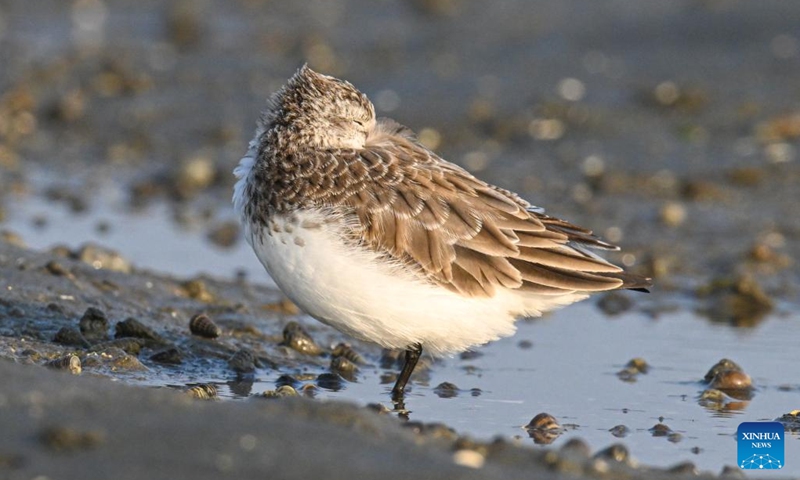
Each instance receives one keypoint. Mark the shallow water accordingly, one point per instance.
(567, 370)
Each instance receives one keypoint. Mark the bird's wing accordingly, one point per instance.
(457, 230)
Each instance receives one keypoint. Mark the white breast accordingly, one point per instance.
(358, 293)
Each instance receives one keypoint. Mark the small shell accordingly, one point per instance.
(94, 325)
(282, 391)
(731, 380)
(298, 339)
(204, 391)
(346, 351)
(131, 327)
(243, 361)
(543, 421)
(309, 390)
(68, 362)
(344, 367)
(202, 326)
(543, 429)
(71, 336)
(722, 365)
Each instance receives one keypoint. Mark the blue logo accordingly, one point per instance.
(760, 446)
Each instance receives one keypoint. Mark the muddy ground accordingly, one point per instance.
(670, 128)
(77, 420)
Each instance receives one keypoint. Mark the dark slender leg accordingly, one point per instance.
(412, 356)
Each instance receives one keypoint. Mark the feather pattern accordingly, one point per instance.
(371, 232)
(455, 230)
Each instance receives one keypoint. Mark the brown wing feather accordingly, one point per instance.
(458, 231)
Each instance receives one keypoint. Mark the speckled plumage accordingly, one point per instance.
(323, 171)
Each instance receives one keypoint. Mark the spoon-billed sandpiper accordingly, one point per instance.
(372, 233)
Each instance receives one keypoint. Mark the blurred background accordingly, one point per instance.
(670, 128)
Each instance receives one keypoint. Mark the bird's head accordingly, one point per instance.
(321, 111)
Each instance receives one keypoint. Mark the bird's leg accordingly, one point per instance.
(412, 356)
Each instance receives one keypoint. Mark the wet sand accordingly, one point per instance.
(671, 129)
(60, 425)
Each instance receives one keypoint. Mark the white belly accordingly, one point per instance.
(360, 295)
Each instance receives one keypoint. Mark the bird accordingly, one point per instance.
(372, 233)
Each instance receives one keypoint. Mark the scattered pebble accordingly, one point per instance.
(102, 258)
(113, 359)
(790, 421)
(576, 447)
(729, 471)
(684, 468)
(225, 234)
(195, 174)
(344, 367)
(287, 380)
(616, 453)
(168, 356)
(674, 437)
(330, 381)
(284, 306)
(198, 290)
(185, 24)
(731, 380)
(378, 408)
(620, 431)
(660, 430)
(633, 369)
(722, 365)
(295, 337)
(614, 303)
(470, 355)
(446, 390)
(57, 269)
(131, 327)
(12, 238)
(129, 345)
(94, 325)
(740, 301)
(469, 458)
(243, 361)
(71, 336)
(673, 214)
